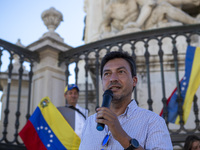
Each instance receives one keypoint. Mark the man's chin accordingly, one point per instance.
(73, 103)
(116, 98)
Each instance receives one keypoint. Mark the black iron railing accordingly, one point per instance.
(23, 55)
(170, 44)
(155, 51)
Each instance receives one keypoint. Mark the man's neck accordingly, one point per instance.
(74, 105)
(119, 108)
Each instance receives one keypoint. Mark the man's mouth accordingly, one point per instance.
(114, 87)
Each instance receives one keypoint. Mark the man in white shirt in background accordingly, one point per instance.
(72, 112)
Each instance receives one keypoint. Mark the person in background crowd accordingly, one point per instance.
(127, 126)
(192, 142)
(72, 112)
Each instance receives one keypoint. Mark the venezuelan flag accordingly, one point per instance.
(47, 129)
(188, 86)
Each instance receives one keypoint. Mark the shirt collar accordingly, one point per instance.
(132, 106)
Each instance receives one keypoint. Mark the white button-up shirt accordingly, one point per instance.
(80, 120)
(146, 126)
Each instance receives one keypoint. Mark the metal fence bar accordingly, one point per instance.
(17, 122)
(6, 112)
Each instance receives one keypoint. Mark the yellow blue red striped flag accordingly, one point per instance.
(188, 86)
(47, 129)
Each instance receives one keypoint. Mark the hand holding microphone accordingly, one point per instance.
(107, 97)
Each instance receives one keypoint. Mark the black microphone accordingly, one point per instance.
(107, 97)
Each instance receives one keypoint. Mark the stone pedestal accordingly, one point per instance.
(48, 78)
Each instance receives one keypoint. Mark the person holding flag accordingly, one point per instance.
(72, 112)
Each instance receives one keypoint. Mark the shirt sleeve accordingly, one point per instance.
(158, 137)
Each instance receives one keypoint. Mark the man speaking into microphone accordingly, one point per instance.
(121, 124)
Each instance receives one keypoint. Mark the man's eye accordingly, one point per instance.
(106, 74)
(121, 71)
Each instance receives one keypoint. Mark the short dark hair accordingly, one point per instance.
(123, 55)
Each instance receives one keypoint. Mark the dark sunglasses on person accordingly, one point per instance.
(105, 142)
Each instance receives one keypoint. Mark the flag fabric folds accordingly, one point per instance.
(188, 87)
(47, 129)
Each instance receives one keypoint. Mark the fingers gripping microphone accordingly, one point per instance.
(107, 97)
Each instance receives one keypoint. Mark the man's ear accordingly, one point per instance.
(135, 81)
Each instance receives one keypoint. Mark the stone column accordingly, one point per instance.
(49, 78)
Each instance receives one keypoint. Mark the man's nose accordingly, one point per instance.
(73, 94)
(113, 77)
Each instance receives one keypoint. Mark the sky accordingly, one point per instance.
(21, 19)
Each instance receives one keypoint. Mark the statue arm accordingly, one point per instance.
(144, 14)
(146, 7)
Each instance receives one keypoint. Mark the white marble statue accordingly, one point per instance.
(168, 13)
(125, 16)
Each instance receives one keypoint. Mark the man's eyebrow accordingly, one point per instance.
(106, 70)
(122, 67)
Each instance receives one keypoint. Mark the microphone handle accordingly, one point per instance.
(100, 126)
(106, 103)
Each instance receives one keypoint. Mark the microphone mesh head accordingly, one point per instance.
(109, 92)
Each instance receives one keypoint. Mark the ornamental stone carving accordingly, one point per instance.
(52, 18)
(117, 17)
(125, 16)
